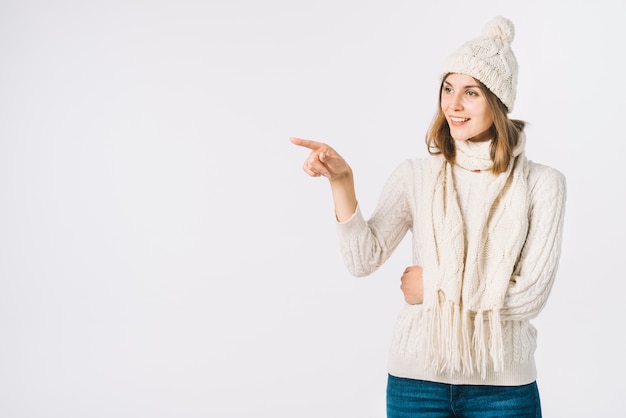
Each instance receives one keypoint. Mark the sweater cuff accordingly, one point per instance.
(354, 223)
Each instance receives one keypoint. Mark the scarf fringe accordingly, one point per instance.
(458, 344)
(480, 343)
(496, 349)
(466, 331)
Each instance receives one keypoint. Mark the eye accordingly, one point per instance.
(447, 89)
(472, 93)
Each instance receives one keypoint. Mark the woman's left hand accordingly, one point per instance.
(412, 285)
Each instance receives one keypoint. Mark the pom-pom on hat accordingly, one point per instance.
(489, 59)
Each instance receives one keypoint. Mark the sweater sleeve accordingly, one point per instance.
(366, 244)
(534, 275)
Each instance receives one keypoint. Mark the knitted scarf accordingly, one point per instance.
(465, 285)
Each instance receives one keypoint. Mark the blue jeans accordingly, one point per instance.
(409, 398)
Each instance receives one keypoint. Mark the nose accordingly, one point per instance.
(452, 102)
(455, 102)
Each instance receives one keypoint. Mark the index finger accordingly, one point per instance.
(307, 143)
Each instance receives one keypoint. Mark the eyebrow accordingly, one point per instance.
(465, 87)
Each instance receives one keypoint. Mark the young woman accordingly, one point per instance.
(486, 226)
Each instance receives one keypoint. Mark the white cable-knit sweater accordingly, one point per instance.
(367, 244)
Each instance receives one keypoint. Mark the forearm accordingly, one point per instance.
(344, 196)
(529, 290)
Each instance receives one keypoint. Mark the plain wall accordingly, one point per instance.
(162, 254)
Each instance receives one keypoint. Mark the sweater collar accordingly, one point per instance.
(477, 155)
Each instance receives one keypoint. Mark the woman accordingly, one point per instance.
(486, 226)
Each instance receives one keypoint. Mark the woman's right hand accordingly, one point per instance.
(412, 285)
(323, 160)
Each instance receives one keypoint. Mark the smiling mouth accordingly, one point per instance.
(458, 120)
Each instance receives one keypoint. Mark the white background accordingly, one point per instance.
(163, 255)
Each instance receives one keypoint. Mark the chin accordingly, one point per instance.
(458, 137)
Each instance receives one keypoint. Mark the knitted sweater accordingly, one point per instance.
(367, 244)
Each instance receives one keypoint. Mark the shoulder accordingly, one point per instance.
(411, 173)
(542, 176)
(417, 169)
(420, 166)
(546, 183)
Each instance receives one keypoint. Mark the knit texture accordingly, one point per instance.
(466, 279)
(489, 59)
(516, 286)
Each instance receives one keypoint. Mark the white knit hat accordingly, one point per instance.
(489, 59)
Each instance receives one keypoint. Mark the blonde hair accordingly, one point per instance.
(506, 132)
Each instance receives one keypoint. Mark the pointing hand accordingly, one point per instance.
(323, 160)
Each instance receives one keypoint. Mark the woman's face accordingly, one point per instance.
(466, 108)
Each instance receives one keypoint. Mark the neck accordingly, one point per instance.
(487, 135)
